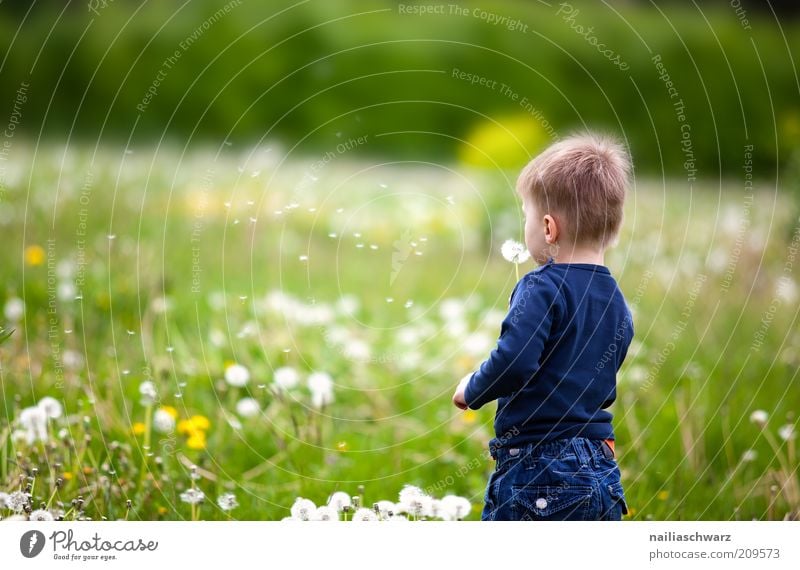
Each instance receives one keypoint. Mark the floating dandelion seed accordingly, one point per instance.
(227, 502)
(193, 496)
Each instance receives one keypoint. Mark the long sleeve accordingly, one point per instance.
(523, 334)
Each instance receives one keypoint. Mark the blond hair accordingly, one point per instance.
(583, 178)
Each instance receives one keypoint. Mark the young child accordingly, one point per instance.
(553, 372)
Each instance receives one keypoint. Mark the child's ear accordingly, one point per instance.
(550, 229)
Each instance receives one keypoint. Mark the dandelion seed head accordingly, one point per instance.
(286, 378)
(237, 375)
(193, 496)
(303, 509)
(786, 432)
(759, 417)
(227, 502)
(248, 407)
(147, 391)
(514, 252)
(41, 515)
(339, 500)
(364, 515)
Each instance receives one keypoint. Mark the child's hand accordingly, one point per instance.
(458, 396)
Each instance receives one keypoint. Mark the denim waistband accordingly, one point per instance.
(583, 448)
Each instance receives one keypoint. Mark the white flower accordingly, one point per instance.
(325, 513)
(247, 407)
(386, 507)
(286, 378)
(3, 497)
(786, 432)
(339, 500)
(303, 509)
(163, 421)
(365, 515)
(51, 407)
(14, 309)
(454, 507)
(41, 515)
(416, 502)
(514, 251)
(237, 375)
(759, 417)
(227, 502)
(16, 501)
(34, 422)
(193, 496)
(321, 386)
(356, 349)
(16, 518)
(451, 310)
(147, 390)
(749, 455)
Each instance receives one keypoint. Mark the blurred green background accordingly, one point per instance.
(305, 71)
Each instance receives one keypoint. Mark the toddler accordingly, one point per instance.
(567, 331)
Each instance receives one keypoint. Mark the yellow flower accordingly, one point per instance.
(34, 255)
(66, 476)
(341, 446)
(162, 510)
(200, 422)
(662, 495)
(469, 416)
(138, 428)
(631, 511)
(197, 440)
(171, 411)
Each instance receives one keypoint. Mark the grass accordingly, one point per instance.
(168, 268)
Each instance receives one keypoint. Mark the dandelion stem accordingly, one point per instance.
(148, 417)
(516, 269)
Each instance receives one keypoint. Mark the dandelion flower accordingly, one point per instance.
(786, 432)
(193, 496)
(247, 407)
(325, 513)
(237, 375)
(17, 500)
(163, 421)
(514, 252)
(197, 440)
(51, 407)
(416, 502)
(303, 509)
(454, 507)
(385, 508)
(40, 515)
(321, 386)
(14, 309)
(759, 417)
(364, 515)
(339, 500)
(34, 255)
(147, 391)
(34, 421)
(286, 378)
(227, 502)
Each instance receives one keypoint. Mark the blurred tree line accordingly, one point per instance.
(504, 76)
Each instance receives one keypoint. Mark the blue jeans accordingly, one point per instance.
(565, 479)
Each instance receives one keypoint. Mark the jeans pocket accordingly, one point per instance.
(617, 494)
(551, 502)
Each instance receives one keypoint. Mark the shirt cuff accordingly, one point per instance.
(467, 397)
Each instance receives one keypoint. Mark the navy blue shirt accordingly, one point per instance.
(554, 370)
